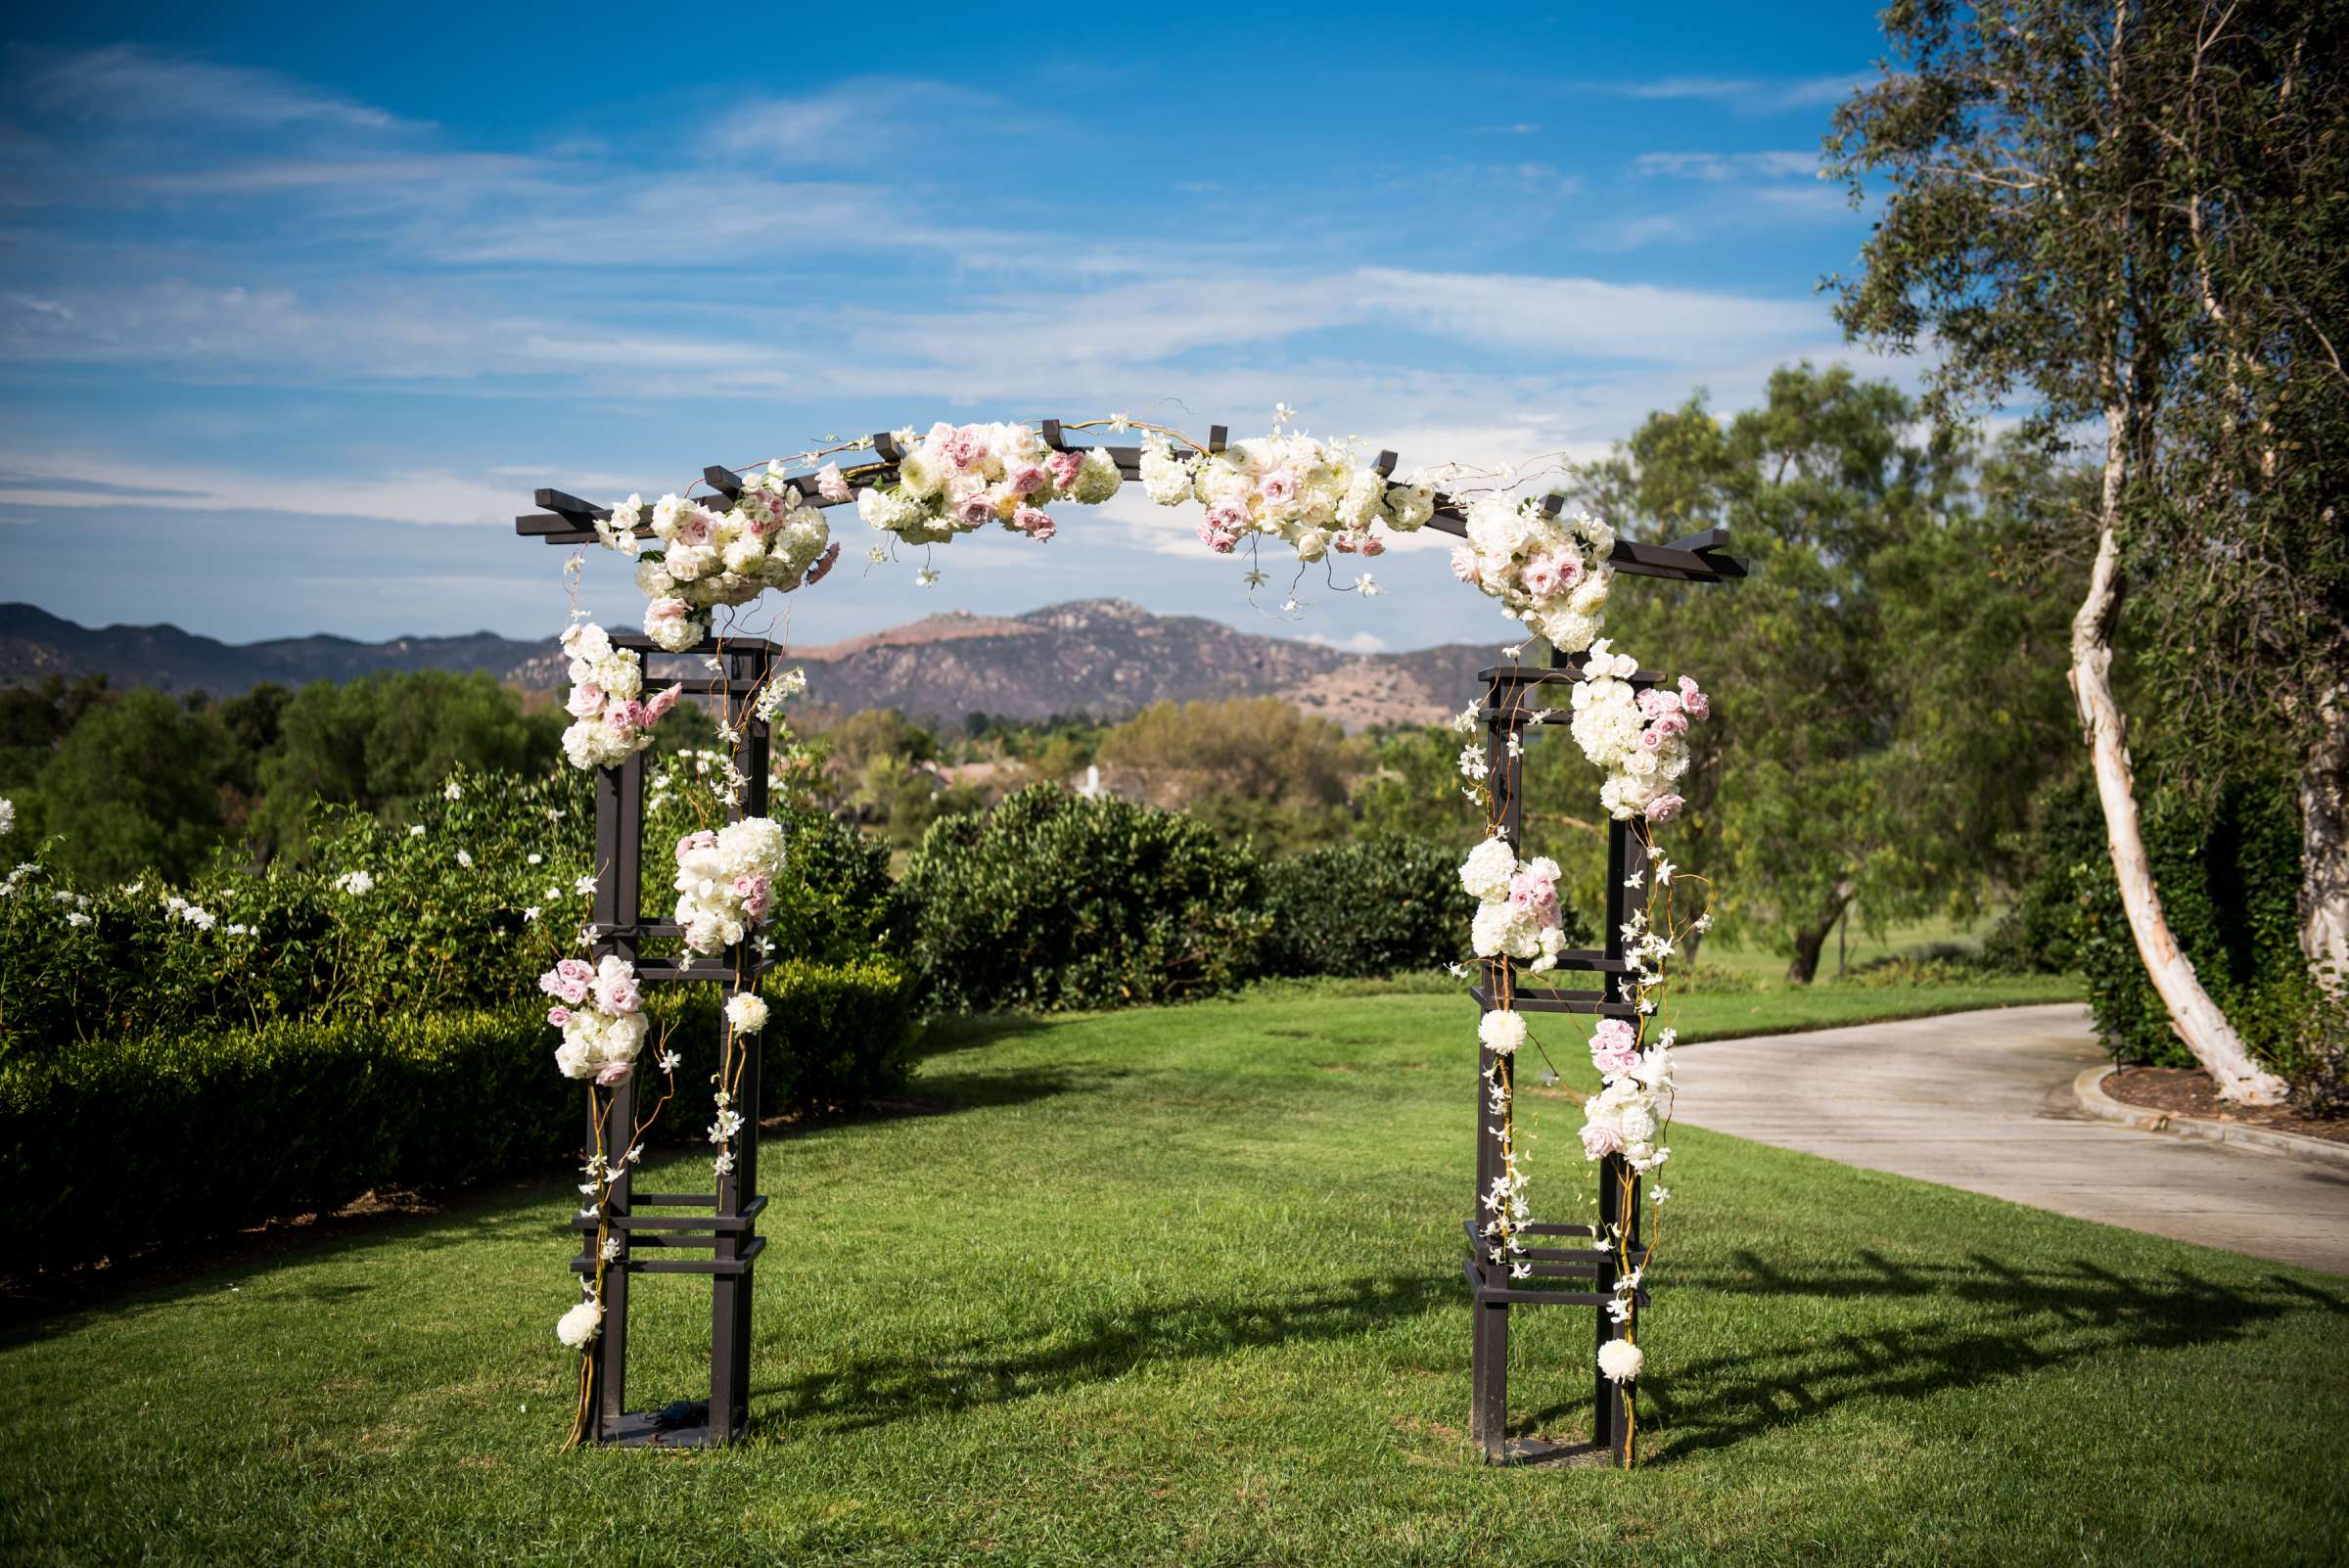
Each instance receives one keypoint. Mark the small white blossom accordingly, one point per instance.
(355, 883)
(452, 793)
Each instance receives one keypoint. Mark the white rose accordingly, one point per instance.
(747, 1013)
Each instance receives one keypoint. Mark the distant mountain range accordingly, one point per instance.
(1103, 657)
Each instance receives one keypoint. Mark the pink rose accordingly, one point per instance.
(1343, 544)
(1650, 738)
(586, 701)
(558, 1016)
(1551, 574)
(754, 891)
(1063, 467)
(1034, 522)
(1278, 487)
(568, 981)
(702, 840)
(663, 701)
(626, 716)
(671, 608)
(823, 565)
(615, 1073)
(1672, 724)
(1698, 705)
(1025, 478)
(1600, 1140)
(1613, 1064)
(966, 448)
(1664, 808)
(1614, 1033)
(973, 509)
(696, 527)
(618, 994)
(831, 484)
(1654, 704)
(1463, 562)
(1372, 544)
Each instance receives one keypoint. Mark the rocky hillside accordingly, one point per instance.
(1103, 657)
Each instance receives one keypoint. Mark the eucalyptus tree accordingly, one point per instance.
(2083, 209)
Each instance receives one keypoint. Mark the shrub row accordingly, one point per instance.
(1054, 901)
(129, 1141)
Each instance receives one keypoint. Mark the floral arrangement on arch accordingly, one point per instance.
(1547, 571)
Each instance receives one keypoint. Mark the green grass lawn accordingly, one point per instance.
(1184, 1286)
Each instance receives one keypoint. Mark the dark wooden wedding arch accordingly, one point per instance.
(725, 1223)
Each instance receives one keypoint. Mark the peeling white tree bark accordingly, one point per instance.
(2198, 1020)
(2324, 846)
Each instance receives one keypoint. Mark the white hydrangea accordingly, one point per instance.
(1486, 873)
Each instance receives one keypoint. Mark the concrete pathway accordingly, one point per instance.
(1983, 1101)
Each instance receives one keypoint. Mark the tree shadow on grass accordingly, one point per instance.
(2049, 1318)
(1047, 1357)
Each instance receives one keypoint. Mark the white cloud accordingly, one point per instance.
(1726, 166)
(861, 122)
(1759, 95)
(126, 82)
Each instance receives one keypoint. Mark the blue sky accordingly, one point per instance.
(299, 304)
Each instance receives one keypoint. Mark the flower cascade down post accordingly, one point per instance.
(1635, 730)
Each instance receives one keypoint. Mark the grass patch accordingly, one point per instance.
(1182, 1286)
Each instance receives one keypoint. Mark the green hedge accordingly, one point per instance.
(1053, 900)
(2229, 872)
(1370, 908)
(838, 1034)
(124, 1142)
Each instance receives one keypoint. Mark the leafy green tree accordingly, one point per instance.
(1873, 679)
(2130, 217)
(136, 786)
(1249, 766)
(382, 742)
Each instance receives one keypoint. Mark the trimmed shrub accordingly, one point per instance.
(1369, 908)
(1051, 901)
(838, 1034)
(126, 1142)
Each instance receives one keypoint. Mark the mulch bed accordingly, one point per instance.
(2188, 1091)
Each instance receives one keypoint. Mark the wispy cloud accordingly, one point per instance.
(126, 82)
(862, 120)
(1751, 95)
(1726, 166)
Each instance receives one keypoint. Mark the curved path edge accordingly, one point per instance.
(2089, 1089)
(1986, 1102)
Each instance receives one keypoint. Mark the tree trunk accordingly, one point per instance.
(2324, 846)
(1811, 939)
(2195, 1017)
